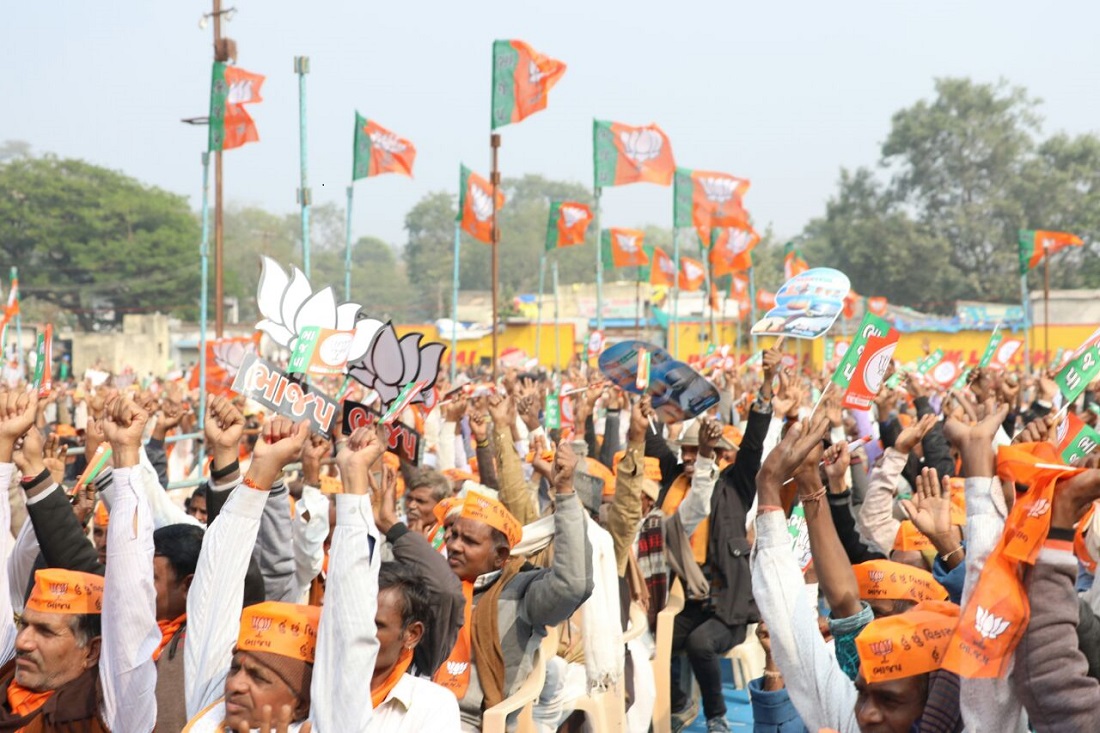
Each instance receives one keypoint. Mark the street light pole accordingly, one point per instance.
(220, 54)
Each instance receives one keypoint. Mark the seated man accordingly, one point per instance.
(81, 655)
(509, 603)
(426, 489)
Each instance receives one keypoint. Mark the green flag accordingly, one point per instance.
(551, 412)
(925, 365)
(1081, 445)
(1081, 370)
(991, 348)
(360, 162)
(871, 325)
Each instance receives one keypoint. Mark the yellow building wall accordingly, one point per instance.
(553, 341)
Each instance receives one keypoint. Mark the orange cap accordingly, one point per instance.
(444, 507)
(909, 538)
(888, 580)
(652, 466)
(908, 644)
(66, 591)
(286, 629)
(732, 434)
(101, 515)
(481, 508)
(65, 431)
(456, 474)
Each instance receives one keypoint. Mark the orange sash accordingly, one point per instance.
(907, 644)
(892, 581)
(377, 697)
(168, 629)
(701, 535)
(454, 674)
(1079, 548)
(23, 702)
(994, 620)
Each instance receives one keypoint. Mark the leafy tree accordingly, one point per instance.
(95, 242)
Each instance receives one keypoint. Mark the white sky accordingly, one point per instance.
(782, 93)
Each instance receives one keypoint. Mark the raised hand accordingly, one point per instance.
(640, 415)
(280, 442)
(565, 463)
(914, 385)
(171, 413)
(499, 409)
(709, 434)
(53, 457)
(909, 437)
(314, 452)
(124, 426)
(385, 503)
(223, 429)
(29, 457)
(17, 413)
(801, 440)
(930, 510)
(363, 448)
(837, 460)
(975, 442)
(786, 401)
(542, 466)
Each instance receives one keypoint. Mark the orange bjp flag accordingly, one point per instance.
(625, 154)
(625, 246)
(709, 200)
(731, 250)
(663, 271)
(522, 80)
(376, 151)
(765, 299)
(877, 305)
(569, 222)
(692, 274)
(475, 205)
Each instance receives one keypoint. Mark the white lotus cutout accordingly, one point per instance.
(988, 625)
(482, 203)
(388, 142)
(391, 363)
(719, 190)
(626, 242)
(229, 354)
(571, 215)
(641, 145)
(288, 304)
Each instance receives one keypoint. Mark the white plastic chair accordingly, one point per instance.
(494, 720)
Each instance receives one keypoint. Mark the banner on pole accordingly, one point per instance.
(807, 305)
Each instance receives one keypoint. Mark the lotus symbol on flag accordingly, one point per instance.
(571, 215)
(739, 241)
(641, 145)
(1062, 431)
(388, 142)
(391, 363)
(988, 625)
(719, 190)
(482, 203)
(667, 266)
(535, 74)
(288, 304)
(877, 366)
(692, 270)
(240, 92)
(456, 668)
(876, 576)
(1041, 507)
(626, 242)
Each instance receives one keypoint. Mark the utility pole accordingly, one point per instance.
(301, 68)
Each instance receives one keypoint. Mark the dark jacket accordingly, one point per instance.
(728, 547)
(448, 604)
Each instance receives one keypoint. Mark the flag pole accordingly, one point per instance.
(220, 54)
(538, 317)
(204, 258)
(752, 304)
(710, 305)
(557, 324)
(676, 294)
(494, 144)
(1027, 321)
(301, 68)
(1046, 304)
(599, 263)
(638, 304)
(454, 302)
(347, 246)
(18, 327)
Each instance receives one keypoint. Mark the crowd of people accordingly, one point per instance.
(852, 546)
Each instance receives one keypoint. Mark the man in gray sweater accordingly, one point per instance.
(509, 603)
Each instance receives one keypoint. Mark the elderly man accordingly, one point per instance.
(509, 603)
(80, 656)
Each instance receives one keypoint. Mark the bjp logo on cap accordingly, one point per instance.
(882, 648)
(876, 576)
(61, 589)
(260, 624)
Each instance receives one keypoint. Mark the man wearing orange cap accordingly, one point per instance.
(234, 669)
(83, 646)
(509, 604)
(899, 656)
